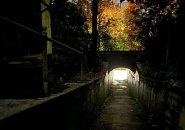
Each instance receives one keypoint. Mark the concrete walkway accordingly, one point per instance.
(120, 112)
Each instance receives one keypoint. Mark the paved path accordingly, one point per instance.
(120, 112)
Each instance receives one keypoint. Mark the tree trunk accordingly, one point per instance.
(94, 31)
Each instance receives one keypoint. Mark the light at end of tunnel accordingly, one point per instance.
(119, 74)
(123, 86)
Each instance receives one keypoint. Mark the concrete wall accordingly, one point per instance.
(163, 105)
(72, 111)
(120, 59)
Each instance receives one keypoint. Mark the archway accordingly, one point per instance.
(119, 77)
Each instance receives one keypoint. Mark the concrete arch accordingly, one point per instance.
(127, 66)
(129, 74)
(121, 59)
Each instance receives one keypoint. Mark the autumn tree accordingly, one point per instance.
(131, 19)
(110, 25)
(119, 27)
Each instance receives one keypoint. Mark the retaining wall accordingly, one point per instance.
(72, 110)
(163, 104)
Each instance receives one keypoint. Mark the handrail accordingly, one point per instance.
(40, 34)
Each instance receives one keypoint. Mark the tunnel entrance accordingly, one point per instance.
(120, 74)
(119, 111)
(119, 77)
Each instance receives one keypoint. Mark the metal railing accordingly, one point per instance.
(44, 37)
(40, 34)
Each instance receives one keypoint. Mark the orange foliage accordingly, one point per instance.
(131, 19)
(110, 19)
(120, 24)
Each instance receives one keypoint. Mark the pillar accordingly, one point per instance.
(47, 45)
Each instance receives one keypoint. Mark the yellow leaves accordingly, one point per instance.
(120, 24)
(109, 13)
(110, 19)
(130, 20)
(129, 12)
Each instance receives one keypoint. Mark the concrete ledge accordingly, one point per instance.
(71, 109)
(9, 107)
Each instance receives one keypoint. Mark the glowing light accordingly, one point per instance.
(119, 74)
(123, 86)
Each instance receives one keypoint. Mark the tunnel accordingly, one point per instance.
(120, 111)
(119, 76)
